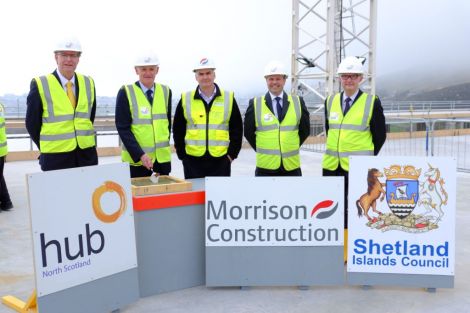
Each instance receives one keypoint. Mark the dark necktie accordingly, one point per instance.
(149, 96)
(347, 105)
(278, 107)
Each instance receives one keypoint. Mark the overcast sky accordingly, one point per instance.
(241, 35)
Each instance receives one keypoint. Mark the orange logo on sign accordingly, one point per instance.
(108, 186)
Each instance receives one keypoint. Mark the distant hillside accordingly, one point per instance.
(451, 93)
(426, 84)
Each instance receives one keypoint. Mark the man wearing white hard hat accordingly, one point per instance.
(143, 120)
(61, 111)
(207, 127)
(276, 125)
(354, 124)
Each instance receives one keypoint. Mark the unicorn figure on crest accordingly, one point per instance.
(432, 197)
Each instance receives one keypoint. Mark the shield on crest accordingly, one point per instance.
(402, 189)
(402, 196)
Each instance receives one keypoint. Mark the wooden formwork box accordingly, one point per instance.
(144, 186)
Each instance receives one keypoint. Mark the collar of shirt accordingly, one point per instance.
(64, 81)
(353, 97)
(144, 89)
(273, 98)
(203, 96)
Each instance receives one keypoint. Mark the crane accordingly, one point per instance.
(323, 33)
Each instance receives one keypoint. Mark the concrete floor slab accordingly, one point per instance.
(16, 265)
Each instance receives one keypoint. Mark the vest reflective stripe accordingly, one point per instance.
(83, 115)
(268, 151)
(276, 142)
(63, 128)
(218, 143)
(347, 154)
(207, 133)
(3, 133)
(276, 152)
(57, 137)
(290, 154)
(159, 116)
(57, 119)
(348, 135)
(162, 144)
(287, 128)
(350, 127)
(266, 128)
(85, 132)
(218, 127)
(151, 149)
(149, 123)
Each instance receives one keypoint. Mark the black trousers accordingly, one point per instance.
(195, 167)
(76, 158)
(340, 172)
(280, 172)
(4, 195)
(142, 171)
(139, 171)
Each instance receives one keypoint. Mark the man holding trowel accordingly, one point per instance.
(143, 121)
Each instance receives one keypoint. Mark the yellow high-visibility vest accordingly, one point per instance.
(63, 128)
(348, 135)
(3, 133)
(277, 141)
(207, 133)
(149, 123)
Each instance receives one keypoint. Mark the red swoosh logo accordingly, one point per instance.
(321, 205)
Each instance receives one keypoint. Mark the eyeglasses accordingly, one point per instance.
(349, 76)
(69, 55)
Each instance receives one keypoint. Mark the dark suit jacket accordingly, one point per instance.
(123, 121)
(250, 125)
(54, 161)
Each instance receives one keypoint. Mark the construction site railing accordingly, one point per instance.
(412, 137)
(451, 137)
(405, 137)
(392, 106)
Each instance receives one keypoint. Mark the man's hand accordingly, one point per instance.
(146, 161)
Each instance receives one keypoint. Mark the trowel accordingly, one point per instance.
(154, 177)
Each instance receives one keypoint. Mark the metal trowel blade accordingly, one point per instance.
(154, 178)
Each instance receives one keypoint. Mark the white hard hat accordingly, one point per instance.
(68, 44)
(204, 63)
(147, 59)
(350, 65)
(275, 68)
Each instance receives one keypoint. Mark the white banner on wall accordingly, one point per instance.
(402, 215)
(82, 225)
(274, 211)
